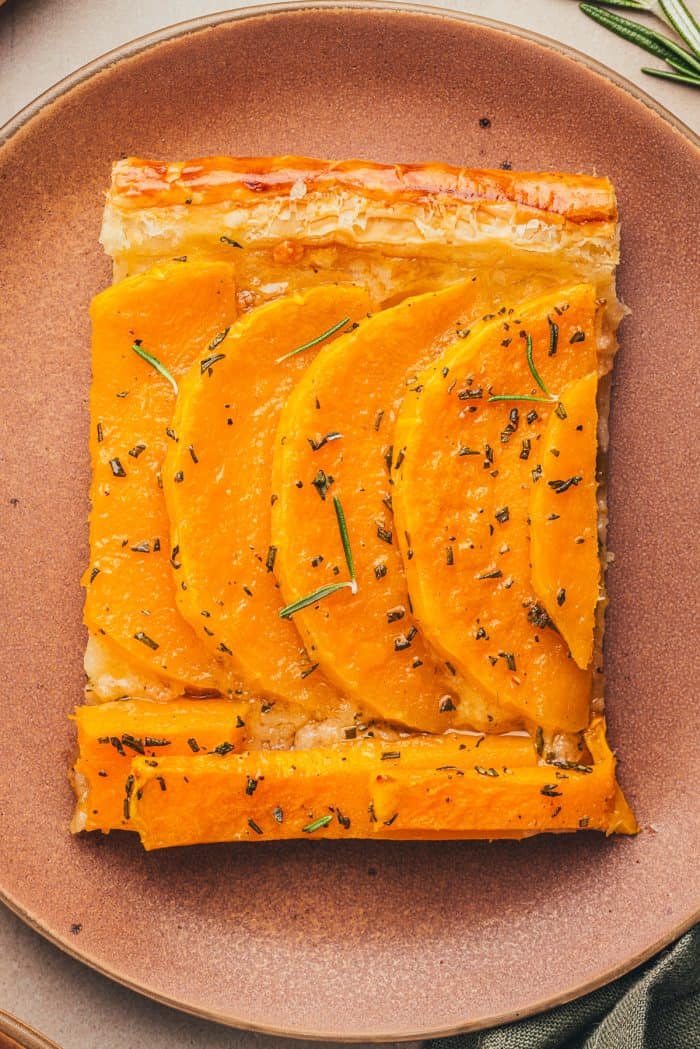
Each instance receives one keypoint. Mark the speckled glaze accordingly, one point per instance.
(354, 940)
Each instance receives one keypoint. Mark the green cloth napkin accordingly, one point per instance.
(656, 1006)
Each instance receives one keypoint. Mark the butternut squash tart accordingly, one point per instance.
(348, 520)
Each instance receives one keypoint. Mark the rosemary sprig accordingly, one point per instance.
(155, 363)
(535, 375)
(330, 588)
(675, 14)
(317, 595)
(344, 538)
(314, 342)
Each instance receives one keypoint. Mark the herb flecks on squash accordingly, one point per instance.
(465, 466)
(276, 794)
(217, 485)
(564, 516)
(111, 735)
(419, 788)
(175, 311)
(334, 438)
(502, 799)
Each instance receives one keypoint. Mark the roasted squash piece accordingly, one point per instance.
(334, 439)
(373, 789)
(564, 519)
(465, 464)
(502, 799)
(217, 485)
(274, 794)
(173, 311)
(111, 734)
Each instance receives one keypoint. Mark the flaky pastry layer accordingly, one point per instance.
(432, 211)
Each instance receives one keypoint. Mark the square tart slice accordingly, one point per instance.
(394, 383)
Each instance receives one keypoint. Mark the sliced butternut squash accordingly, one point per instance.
(217, 485)
(465, 464)
(564, 519)
(276, 794)
(173, 311)
(447, 787)
(334, 439)
(111, 734)
(564, 796)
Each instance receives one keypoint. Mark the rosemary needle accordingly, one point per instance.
(519, 397)
(155, 363)
(323, 591)
(314, 342)
(322, 821)
(677, 16)
(343, 528)
(533, 369)
(330, 588)
(667, 74)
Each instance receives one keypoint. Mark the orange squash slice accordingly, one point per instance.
(503, 800)
(451, 786)
(334, 439)
(564, 519)
(217, 486)
(110, 735)
(465, 465)
(173, 311)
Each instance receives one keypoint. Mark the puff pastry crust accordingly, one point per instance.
(419, 211)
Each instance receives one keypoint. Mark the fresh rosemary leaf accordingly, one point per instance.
(518, 397)
(531, 365)
(679, 78)
(648, 39)
(680, 18)
(322, 821)
(345, 539)
(155, 363)
(314, 342)
(317, 595)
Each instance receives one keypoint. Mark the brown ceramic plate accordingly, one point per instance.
(16, 1035)
(353, 940)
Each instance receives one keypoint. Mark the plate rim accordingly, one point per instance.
(202, 22)
(187, 27)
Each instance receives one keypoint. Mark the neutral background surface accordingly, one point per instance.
(42, 41)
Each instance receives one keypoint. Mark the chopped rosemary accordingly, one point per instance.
(322, 821)
(322, 483)
(563, 486)
(208, 362)
(553, 336)
(314, 342)
(155, 363)
(117, 468)
(344, 538)
(146, 640)
(315, 445)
